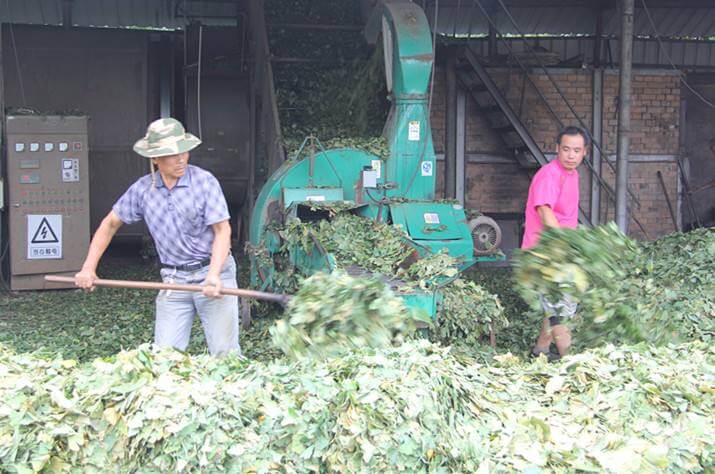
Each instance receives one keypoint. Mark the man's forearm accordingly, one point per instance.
(546, 214)
(99, 243)
(220, 247)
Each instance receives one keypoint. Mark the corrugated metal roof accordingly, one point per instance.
(461, 17)
(41, 12)
(159, 14)
(646, 52)
(680, 22)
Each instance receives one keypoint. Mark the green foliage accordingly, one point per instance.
(334, 85)
(467, 312)
(659, 292)
(84, 326)
(353, 240)
(412, 408)
(317, 11)
(334, 313)
(524, 324)
(374, 145)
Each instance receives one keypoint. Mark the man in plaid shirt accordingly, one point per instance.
(187, 215)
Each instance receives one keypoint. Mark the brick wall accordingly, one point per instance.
(503, 187)
(655, 113)
(576, 87)
(653, 212)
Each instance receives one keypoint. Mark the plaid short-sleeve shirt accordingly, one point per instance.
(179, 219)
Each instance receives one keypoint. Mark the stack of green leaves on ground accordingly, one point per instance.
(83, 326)
(524, 324)
(412, 408)
(334, 313)
(658, 292)
(467, 313)
(677, 274)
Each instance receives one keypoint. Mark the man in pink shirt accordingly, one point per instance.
(553, 202)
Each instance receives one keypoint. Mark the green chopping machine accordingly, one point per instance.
(399, 190)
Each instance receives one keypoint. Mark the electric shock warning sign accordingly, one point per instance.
(44, 237)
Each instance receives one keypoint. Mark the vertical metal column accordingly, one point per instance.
(624, 114)
(461, 145)
(166, 70)
(598, 37)
(2, 156)
(682, 154)
(492, 41)
(67, 14)
(450, 126)
(597, 104)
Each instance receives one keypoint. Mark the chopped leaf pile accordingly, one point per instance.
(412, 408)
(466, 314)
(353, 240)
(658, 292)
(334, 313)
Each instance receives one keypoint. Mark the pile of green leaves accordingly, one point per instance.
(659, 292)
(353, 240)
(333, 313)
(524, 324)
(675, 278)
(466, 313)
(412, 408)
(83, 326)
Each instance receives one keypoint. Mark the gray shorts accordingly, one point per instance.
(565, 308)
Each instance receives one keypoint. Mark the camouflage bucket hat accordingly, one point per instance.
(165, 137)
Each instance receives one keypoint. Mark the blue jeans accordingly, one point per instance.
(175, 311)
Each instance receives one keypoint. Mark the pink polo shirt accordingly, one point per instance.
(558, 188)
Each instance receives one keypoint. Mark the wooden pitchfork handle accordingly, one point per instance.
(150, 285)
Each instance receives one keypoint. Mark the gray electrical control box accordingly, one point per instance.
(48, 198)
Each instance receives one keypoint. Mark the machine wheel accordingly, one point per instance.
(486, 235)
(244, 312)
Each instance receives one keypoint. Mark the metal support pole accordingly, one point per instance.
(165, 76)
(664, 188)
(682, 153)
(624, 114)
(3, 243)
(598, 39)
(461, 144)
(597, 132)
(67, 14)
(492, 41)
(450, 126)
